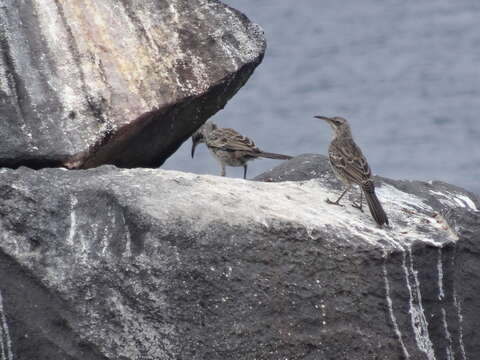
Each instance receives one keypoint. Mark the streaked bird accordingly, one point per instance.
(351, 167)
(229, 147)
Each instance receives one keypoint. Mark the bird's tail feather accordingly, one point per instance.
(274, 156)
(374, 205)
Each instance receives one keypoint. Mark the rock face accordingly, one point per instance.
(83, 83)
(151, 264)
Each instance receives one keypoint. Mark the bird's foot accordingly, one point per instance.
(356, 206)
(328, 201)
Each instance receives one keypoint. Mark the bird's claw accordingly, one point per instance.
(356, 206)
(328, 201)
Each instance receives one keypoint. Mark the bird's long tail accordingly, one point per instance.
(374, 205)
(274, 156)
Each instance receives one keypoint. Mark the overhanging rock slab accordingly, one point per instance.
(118, 82)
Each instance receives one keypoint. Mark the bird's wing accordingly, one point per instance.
(230, 140)
(348, 158)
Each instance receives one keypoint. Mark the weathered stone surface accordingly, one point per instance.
(301, 168)
(152, 264)
(441, 279)
(83, 83)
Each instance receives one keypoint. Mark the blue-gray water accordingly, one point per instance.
(405, 73)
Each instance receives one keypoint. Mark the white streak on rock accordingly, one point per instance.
(5, 341)
(107, 230)
(105, 240)
(392, 314)
(4, 83)
(417, 313)
(458, 306)
(455, 200)
(467, 201)
(448, 336)
(128, 240)
(73, 220)
(441, 293)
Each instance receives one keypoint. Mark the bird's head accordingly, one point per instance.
(201, 134)
(339, 125)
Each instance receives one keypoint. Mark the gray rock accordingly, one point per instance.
(118, 82)
(300, 168)
(152, 264)
(440, 278)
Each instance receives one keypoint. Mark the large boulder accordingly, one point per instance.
(151, 264)
(117, 82)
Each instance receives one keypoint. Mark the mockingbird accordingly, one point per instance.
(351, 167)
(229, 147)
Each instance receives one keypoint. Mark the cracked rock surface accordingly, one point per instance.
(85, 83)
(150, 264)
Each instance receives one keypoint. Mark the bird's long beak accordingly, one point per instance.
(194, 145)
(322, 118)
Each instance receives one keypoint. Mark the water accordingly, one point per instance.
(405, 73)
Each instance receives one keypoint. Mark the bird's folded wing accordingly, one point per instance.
(349, 159)
(230, 140)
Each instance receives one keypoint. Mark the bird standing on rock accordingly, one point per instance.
(351, 167)
(229, 147)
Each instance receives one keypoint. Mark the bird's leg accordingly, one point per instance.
(245, 171)
(223, 172)
(359, 207)
(337, 202)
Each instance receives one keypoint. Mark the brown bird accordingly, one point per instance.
(229, 147)
(351, 167)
